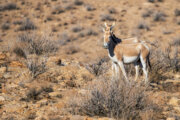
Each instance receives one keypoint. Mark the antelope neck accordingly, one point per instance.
(113, 41)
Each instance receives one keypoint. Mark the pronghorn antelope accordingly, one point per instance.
(121, 53)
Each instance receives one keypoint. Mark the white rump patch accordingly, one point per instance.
(130, 59)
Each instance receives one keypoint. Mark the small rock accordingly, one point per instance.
(170, 118)
(174, 101)
(54, 94)
(7, 76)
(2, 70)
(2, 98)
(2, 56)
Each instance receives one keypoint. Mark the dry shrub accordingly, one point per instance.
(5, 26)
(107, 17)
(8, 6)
(177, 12)
(64, 38)
(78, 2)
(147, 13)
(27, 24)
(164, 61)
(89, 7)
(88, 32)
(35, 94)
(99, 67)
(72, 50)
(57, 9)
(143, 25)
(112, 10)
(176, 41)
(114, 98)
(30, 43)
(159, 16)
(36, 66)
(77, 29)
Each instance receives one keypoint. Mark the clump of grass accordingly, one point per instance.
(147, 13)
(89, 7)
(8, 6)
(19, 52)
(57, 9)
(107, 17)
(99, 67)
(176, 41)
(72, 50)
(177, 12)
(17, 22)
(88, 32)
(143, 25)
(29, 43)
(115, 99)
(112, 10)
(77, 29)
(152, 1)
(159, 16)
(36, 66)
(35, 94)
(5, 26)
(164, 61)
(27, 25)
(64, 38)
(78, 2)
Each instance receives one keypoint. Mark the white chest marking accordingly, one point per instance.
(114, 58)
(129, 59)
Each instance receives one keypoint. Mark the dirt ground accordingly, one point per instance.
(76, 26)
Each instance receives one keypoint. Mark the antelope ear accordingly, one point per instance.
(105, 24)
(113, 25)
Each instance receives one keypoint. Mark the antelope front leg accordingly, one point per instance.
(123, 70)
(137, 71)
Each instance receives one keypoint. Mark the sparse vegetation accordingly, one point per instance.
(106, 17)
(89, 7)
(163, 61)
(88, 32)
(143, 25)
(57, 9)
(36, 66)
(177, 12)
(99, 67)
(159, 16)
(64, 38)
(18, 22)
(5, 26)
(78, 2)
(29, 43)
(176, 41)
(77, 29)
(72, 50)
(112, 10)
(152, 1)
(8, 6)
(27, 25)
(35, 94)
(114, 98)
(147, 13)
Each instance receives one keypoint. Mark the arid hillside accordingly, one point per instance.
(53, 65)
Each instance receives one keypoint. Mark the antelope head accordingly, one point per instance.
(107, 33)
